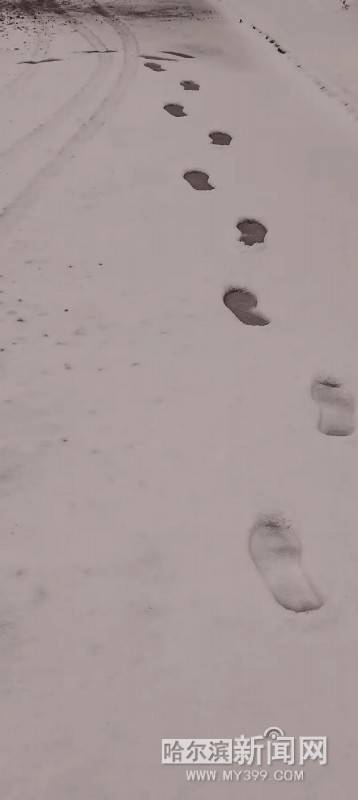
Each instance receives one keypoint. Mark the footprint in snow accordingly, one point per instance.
(173, 53)
(217, 137)
(252, 231)
(158, 58)
(90, 52)
(243, 303)
(336, 407)
(198, 180)
(276, 551)
(175, 110)
(155, 67)
(42, 61)
(190, 86)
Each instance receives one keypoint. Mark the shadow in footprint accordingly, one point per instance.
(180, 55)
(242, 303)
(198, 180)
(217, 137)
(154, 67)
(252, 231)
(336, 407)
(175, 110)
(276, 551)
(190, 86)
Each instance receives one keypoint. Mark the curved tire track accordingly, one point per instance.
(86, 128)
(97, 75)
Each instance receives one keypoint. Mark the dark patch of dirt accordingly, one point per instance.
(35, 7)
(141, 9)
(145, 9)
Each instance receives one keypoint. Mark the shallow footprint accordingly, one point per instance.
(242, 303)
(175, 110)
(217, 137)
(252, 231)
(198, 180)
(276, 551)
(154, 67)
(190, 86)
(336, 405)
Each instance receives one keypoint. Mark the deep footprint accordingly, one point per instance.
(242, 303)
(252, 231)
(190, 86)
(154, 67)
(175, 110)
(336, 407)
(198, 180)
(217, 137)
(276, 551)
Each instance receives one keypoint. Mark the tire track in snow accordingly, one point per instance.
(97, 75)
(89, 126)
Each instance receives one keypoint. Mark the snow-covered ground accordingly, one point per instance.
(144, 427)
(318, 35)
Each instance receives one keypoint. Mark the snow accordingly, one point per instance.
(145, 428)
(319, 35)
